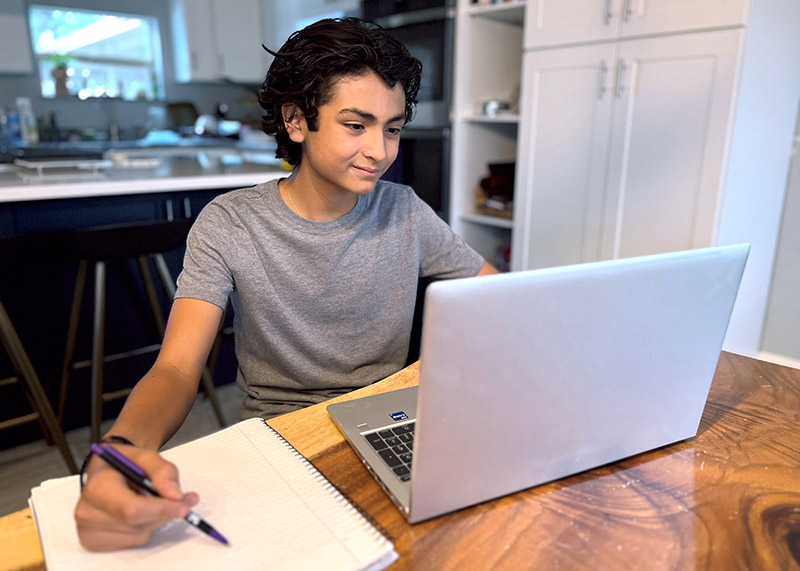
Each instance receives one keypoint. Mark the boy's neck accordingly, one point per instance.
(313, 201)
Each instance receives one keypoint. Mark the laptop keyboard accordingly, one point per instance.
(395, 445)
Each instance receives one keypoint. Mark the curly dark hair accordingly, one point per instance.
(313, 59)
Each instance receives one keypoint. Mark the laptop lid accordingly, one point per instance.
(532, 376)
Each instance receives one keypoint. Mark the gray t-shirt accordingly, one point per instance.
(320, 308)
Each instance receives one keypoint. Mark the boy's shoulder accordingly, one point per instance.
(244, 197)
(249, 192)
(387, 191)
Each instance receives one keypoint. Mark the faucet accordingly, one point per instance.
(113, 128)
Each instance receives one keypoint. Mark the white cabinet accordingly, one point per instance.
(623, 147)
(218, 39)
(15, 44)
(562, 22)
(238, 26)
(668, 141)
(668, 16)
(566, 120)
(555, 22)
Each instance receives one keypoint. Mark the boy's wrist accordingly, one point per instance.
(109, 439)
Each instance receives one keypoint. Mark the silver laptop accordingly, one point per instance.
(531, 376)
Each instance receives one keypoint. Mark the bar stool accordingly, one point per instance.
(25, 373)
(100, 245)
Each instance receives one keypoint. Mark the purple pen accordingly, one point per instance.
(138, 476)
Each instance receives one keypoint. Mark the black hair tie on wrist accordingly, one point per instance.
(111, 439)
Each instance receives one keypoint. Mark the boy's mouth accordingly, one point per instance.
(367, 171)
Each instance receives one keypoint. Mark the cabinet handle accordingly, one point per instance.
(601, 81)
(620, 78)
(628, 10)
(607, 13)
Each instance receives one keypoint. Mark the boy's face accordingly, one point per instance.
(357, 139)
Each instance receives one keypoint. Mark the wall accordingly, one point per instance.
(759, 159)
(782, 329)
(73, 113)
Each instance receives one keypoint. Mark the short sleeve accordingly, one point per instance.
(443, 253)
(207, 271)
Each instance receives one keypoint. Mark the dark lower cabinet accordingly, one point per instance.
(37, 292)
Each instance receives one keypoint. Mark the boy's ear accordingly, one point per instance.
(294, 120)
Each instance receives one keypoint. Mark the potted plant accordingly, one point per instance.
(59, 72)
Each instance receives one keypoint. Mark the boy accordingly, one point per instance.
(321, 267)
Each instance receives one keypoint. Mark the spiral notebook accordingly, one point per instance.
(276, 509)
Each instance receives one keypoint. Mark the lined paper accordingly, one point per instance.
(276, 510)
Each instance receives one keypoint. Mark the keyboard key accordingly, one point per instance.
(406, 458)
(376, 441)
(405, 478)
(399, 449)
(406, 437)
(392, 441)
(390, 458)
(401, 470)
(386, 433)
(403, 429)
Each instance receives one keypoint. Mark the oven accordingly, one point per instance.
(426, 28)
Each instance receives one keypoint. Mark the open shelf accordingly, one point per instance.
(496, 221)
(512, 12)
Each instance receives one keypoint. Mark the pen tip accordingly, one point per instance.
(216, 535)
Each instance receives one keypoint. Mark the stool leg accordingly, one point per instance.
(152, 297)
(205, 377)
(72, 333)
(215, 348)
(166, 277)
(98, 347)
(25, 370)
(211, 393)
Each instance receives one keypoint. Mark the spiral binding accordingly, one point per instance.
(329, 486)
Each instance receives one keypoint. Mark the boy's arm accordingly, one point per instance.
(109, 514)
(161, 400)
(487, 270)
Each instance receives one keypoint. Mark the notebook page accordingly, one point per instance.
(254, 489)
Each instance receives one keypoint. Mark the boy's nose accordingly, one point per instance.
(375, 146)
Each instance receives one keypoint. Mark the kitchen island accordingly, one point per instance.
(137, 172)
(130, 185)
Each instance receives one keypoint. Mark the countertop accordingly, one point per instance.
(136, 171)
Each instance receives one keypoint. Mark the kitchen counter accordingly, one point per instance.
(139, 171)
(122, 186)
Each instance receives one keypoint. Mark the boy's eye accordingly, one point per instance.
(354, 126)
(394, 130)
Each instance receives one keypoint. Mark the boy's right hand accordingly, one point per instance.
(111, 514)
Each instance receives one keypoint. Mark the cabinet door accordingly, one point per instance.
(15, 44)
(662, 16)
(557, 22)
(671, 126)
(238, 35)
(193, 31)
(566, 118)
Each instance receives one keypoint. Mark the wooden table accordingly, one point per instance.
(726, 499)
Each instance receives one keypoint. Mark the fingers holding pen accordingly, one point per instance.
(110, 514)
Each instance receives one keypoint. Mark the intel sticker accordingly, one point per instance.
(399, 416)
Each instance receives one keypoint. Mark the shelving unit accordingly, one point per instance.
(489, 40)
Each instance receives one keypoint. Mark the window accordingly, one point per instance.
(96, 54)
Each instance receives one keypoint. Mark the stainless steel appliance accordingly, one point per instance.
(426, 28)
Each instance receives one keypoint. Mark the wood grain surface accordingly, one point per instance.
(727, 499)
